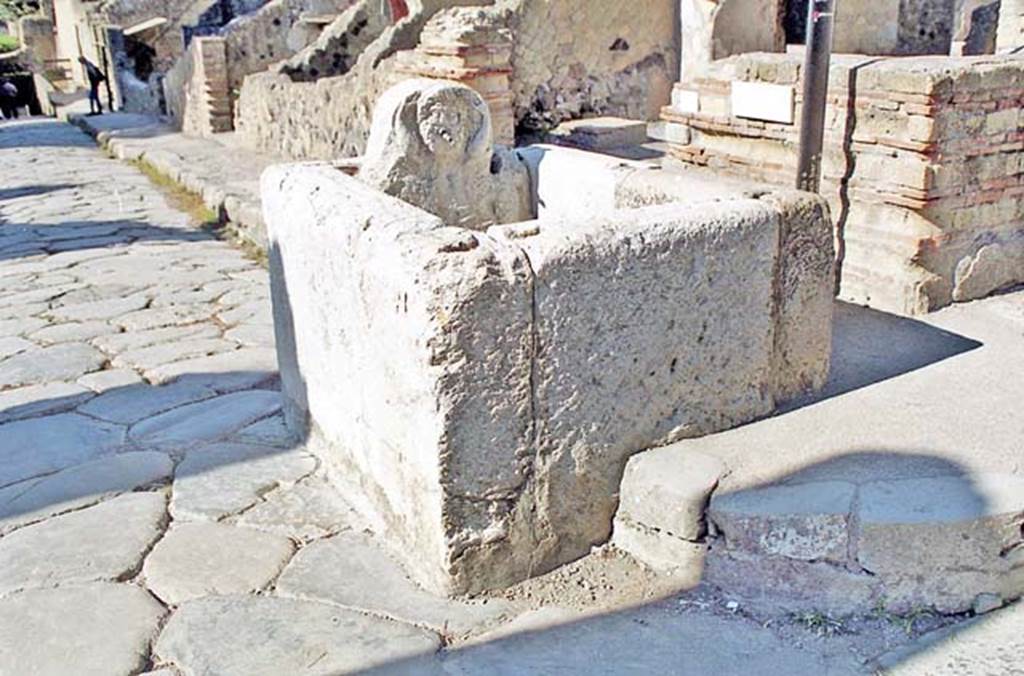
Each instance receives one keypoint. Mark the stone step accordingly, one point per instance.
(841, 546)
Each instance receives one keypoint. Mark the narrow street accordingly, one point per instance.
(156, 518)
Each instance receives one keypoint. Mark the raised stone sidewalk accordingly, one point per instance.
(154, 518)
(219, 169)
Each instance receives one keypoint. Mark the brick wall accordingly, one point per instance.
(924, 167)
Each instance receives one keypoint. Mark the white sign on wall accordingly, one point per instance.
(762, 101)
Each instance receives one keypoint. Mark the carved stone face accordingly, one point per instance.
(453, 122)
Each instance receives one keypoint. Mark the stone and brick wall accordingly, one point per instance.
(924, 167)
(568, 60)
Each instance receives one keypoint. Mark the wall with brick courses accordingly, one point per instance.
(924, 168)
(569, 60)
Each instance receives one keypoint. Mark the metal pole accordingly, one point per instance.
(812, 117)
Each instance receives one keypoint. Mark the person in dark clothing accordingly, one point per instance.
(96, 77)
(9, 99)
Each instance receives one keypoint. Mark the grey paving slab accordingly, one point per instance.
(266, 636)
(100, 629)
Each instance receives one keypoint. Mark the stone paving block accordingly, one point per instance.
(139, 339)
(129, 405)
(206, 420)
(103, 381)
(807, 522)
(157, 355)
(66, 361)
(34, 400)
(225, 372)
(223, 479)
(41, 445)
(100, 309)
(334, 570)
(210, 559)
(102, 543)
(98, 629)
(12, 345)
(73, 332)
(80, 486)
(309, 510)
(267, 636)
(155, 318)
(18, 327)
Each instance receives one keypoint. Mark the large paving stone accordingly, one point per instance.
(207, 420)
(267, 636)
(36, 446)
(338, 570)
(209, 559)
(166, 353)
(808, 522)
(66, 361)
(99, 629)
(33, 400)
(224, 479)
(309, 510)
(224, 372)
(79, 486)
(101, 543)
(129, 405)
(134, 340)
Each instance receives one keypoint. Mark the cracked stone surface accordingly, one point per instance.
(101, 543)
(37, 446)
(309, 510)
(100, 629)
(79, 486)
(264, 636)
(224, 479)
(204, 559)
(335, 570)
(207, 420)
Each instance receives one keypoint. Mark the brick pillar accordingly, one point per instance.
(471, 48)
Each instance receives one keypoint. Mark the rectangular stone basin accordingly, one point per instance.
(479, 393)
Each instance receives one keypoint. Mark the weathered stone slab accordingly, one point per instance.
(80, 486)
(206, 420)
(464, 327)
(502, 379)
(73, 331)
(12, 345)
(33, 400)
(309, 510)
(224, 372)
(682, 559)
(806, 522)
(223, 479)
(941, 541)
(102, 381)
(59, 362)
(336, 569)
(93, 630)
(131, 404)
(209, 559)
(267, 636)
(157, 355)
(631, 352)
(83, 546)
(40, 445)
(667, 490)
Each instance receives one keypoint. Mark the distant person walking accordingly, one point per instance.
(9, 99)
(95, 76)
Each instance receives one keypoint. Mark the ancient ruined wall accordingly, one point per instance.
(924, 166)
(36, 34)
(1010, 34)
(577, 59)
(569, 60)
(166, 40)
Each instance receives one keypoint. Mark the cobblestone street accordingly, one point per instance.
(156, 518)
